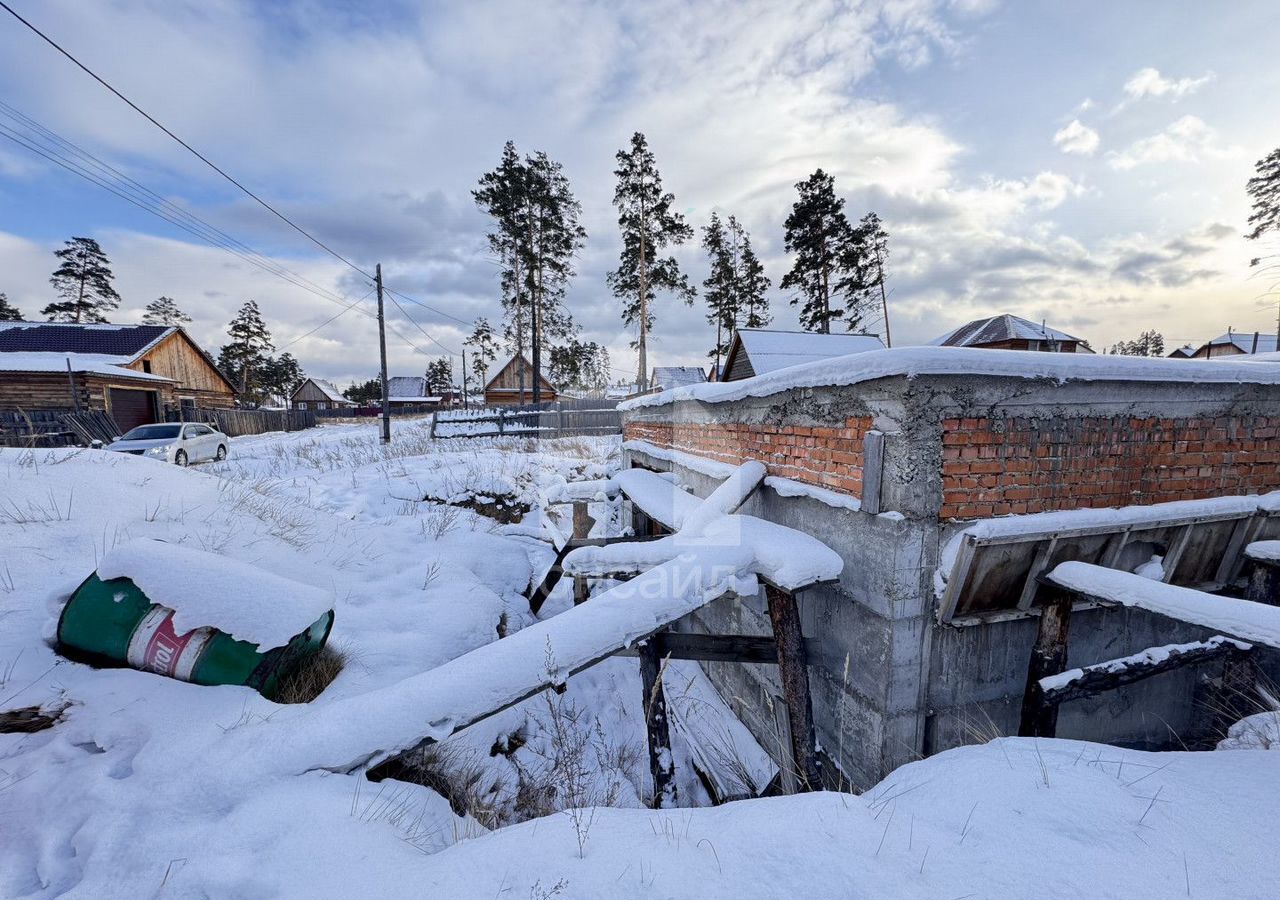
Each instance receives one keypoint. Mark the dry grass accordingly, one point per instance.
(309, 680)
(29, 719)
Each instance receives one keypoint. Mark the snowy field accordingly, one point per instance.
(149, 787)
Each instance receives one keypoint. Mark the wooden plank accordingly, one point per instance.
(1034, 571)
(1048, 657)
(957, 583)
(661, 762)
(1116, 673)
(872, 471)
(1264, 582)
(793, 672)
(735, 648)
(1174, 554)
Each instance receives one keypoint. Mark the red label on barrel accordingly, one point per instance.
(165, 648)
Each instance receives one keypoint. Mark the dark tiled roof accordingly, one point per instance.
(111, 340)
(1001, 328)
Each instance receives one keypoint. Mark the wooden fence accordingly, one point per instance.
(558, 420)
(239, 422)
(55, 428)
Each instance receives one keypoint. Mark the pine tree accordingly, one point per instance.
(365, 393)
(279, 376)
(484, 351)
(83, 281)
(9, 312)
(164, 311)
(1149, 343)
(819, 235)
(1264, 189)
(862, 282)
(648, 227)
(244, 356)
(580, 364)
(753, 287)
(536, 234)
(720, 288)
(440, 376)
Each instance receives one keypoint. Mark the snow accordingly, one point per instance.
(247, 602)
(1260, 731)
(1264, 551)
(598, 489)
(1149, 656)
(657, 497)
(91, 363)
(789, 487)
(910, 362)
(1243, 619)
(727, 497)
(771, 350)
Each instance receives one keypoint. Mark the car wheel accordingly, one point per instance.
(221, 454)
(181, 457)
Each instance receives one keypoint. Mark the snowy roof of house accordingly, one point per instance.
(910, 362)
(81, 363)
(994, 329)
(116, 340)
(1244, 341)
(1273, 357)
(401, 387)
(1183, 352)
(328, 388)
(677, 376)
(771, 350)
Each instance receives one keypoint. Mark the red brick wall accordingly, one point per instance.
(995, 467)
(824, 457)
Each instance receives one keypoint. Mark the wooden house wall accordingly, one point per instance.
(177, 358)
(509, 379)
(310, 393)
(51, 390)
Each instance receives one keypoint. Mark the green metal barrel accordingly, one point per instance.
(114, 622)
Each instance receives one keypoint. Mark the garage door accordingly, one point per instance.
(132, 408)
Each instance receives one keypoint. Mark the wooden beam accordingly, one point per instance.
(661, 762)
(1048, 657)
(1115, 673)
(735, 648)
(582, 520)
(793, 671)
(872, 471)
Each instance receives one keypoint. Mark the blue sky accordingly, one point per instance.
(1078, 162)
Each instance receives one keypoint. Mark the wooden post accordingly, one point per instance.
(793, 670)
(501, 426)
(661, 763)
(433, 424)
(1048, 657)
(382, 352)
(1264, 582)
(582, 520)
(581, 590)
(872, 469)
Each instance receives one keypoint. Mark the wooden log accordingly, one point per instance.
(793, 671)
(581, 590)
(582, 520)
(1115, 673)
(1048, 657)
(661, 762)
(872, 471)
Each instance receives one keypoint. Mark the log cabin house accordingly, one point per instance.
(505, 388)
(131, 372)
(318, 394)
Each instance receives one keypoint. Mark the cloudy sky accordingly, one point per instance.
(1078, 162)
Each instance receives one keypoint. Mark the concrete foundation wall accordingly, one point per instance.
(889, 683)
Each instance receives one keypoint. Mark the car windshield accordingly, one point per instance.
(151, 432)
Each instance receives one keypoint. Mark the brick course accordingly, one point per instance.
(829, 457)
(1004, 466)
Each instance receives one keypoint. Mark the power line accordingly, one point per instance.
(416, 302)
(264, 204)
(420, 328)
(327, 321)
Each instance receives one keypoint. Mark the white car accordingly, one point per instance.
(177, 443)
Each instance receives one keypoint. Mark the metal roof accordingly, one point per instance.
(665, 377)
(994, 329)
(400, 386)
(770, 350)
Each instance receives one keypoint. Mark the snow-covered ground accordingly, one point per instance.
(150, 787)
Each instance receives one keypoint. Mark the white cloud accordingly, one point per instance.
(1189, 139)
(1076, 137)
(1148, 82)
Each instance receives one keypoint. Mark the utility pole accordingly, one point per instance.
(382, 351)
(464, 379)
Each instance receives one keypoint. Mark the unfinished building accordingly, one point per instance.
(950, 482)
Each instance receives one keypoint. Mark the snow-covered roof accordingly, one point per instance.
(329, 389)
(665, 377)
(912, 361)
(995, 329)
(401, 387)
(1251, 358)
(770, 350)
(81, 363)
(1244, 341)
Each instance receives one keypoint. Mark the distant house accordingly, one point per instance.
(1006, 332)
(667, 377)
(132, 372)
(504, 388)
(1235, 343)
(316, 393)
(756, 351)
(405, 391)
(1186, 351)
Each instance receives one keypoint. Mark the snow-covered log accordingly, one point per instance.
(1088, 681)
